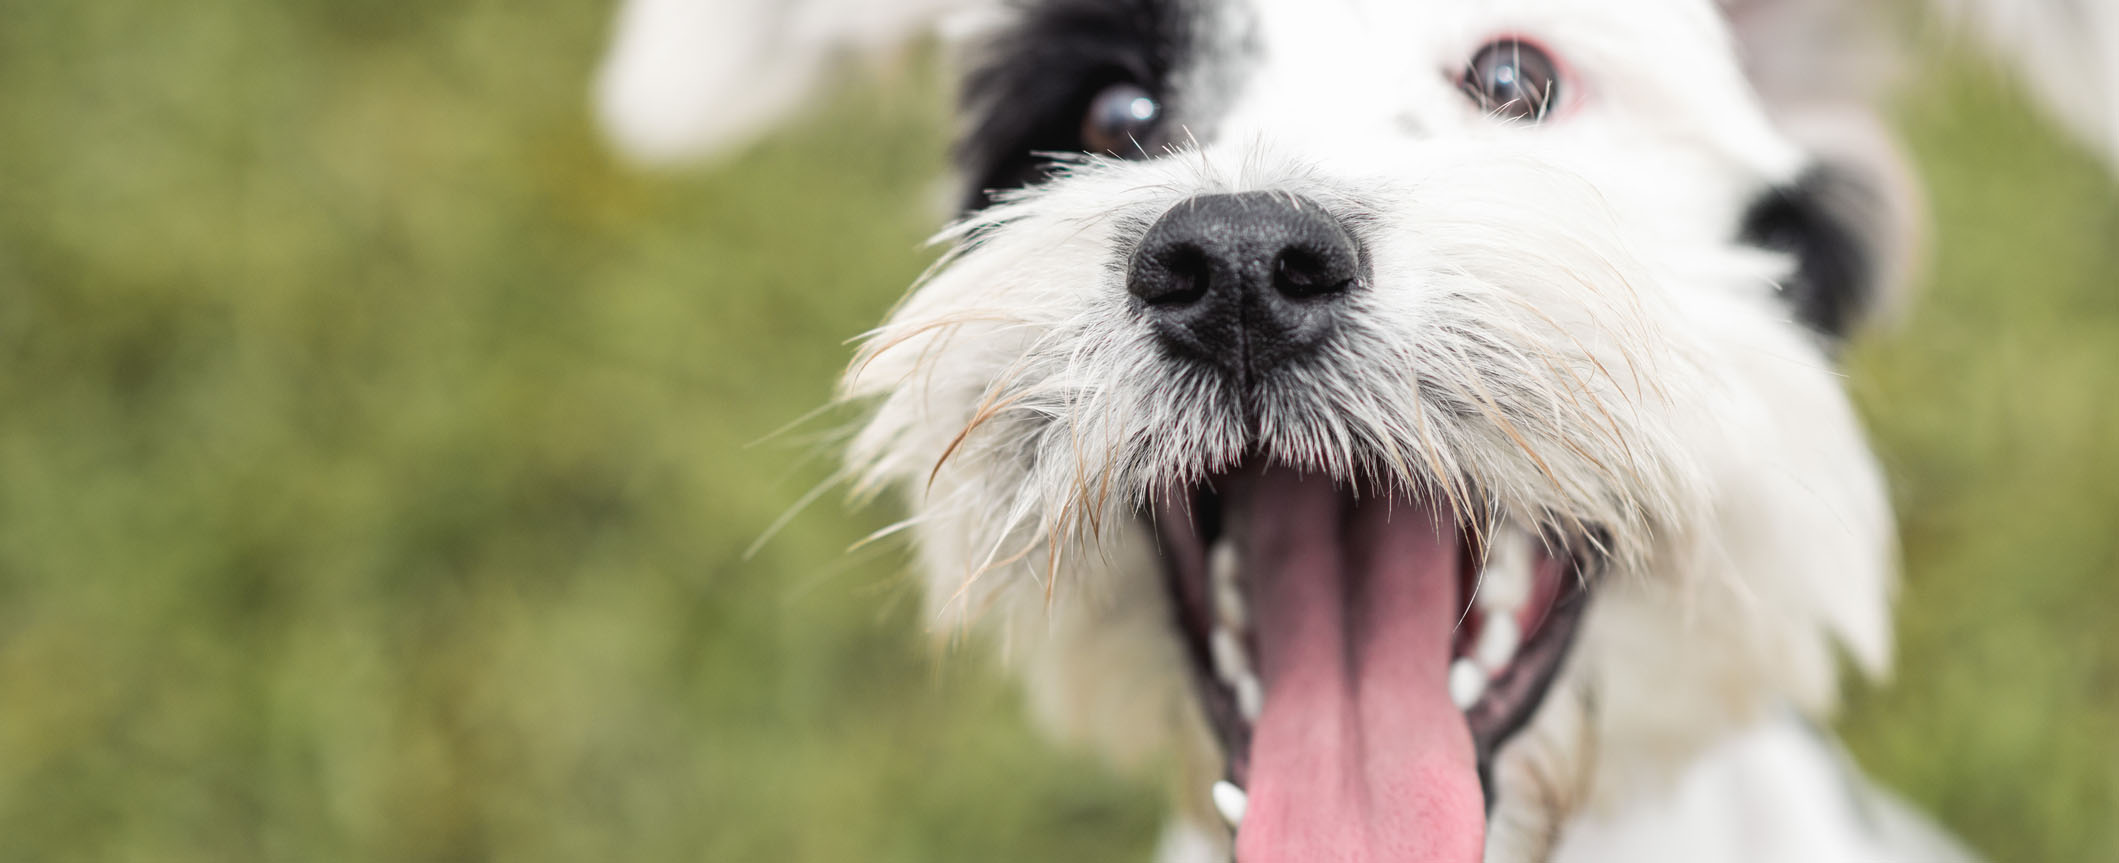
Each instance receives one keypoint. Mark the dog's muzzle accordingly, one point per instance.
(1362, 649)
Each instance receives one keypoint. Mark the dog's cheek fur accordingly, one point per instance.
(1793, 565)
(1744, 610)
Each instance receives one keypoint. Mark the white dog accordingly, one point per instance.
(1418, 417)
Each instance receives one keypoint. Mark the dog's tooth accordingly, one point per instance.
(1250, 697)
(1223, 583)
(1466, 683)
(1499, 636)
(1232, 801)
(1232, 663)
(1231, 660)
(1504, 585)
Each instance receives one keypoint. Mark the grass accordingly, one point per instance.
(1990, 408)
(376, 465)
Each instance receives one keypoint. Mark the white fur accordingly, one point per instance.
(1613, 359)
(1559, 325)
(1772, 793)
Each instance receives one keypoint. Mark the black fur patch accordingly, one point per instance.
(1829, 220)
(1028, 94)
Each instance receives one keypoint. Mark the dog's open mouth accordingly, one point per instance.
(1361, 657)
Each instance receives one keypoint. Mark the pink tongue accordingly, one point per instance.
(1359, 754)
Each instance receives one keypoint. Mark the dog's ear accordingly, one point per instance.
(1851, 221)
(687, 80)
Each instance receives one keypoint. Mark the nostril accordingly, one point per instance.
(1302, 274)
(1180, 276)
(1177, 274)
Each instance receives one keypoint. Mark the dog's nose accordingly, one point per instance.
(1245, 282)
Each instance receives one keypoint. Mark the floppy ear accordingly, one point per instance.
(1851, 222)
(1851, 219)
(687, 80)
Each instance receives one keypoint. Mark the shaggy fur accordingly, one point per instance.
(1605, 326)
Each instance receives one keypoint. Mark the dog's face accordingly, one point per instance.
(1419, 415)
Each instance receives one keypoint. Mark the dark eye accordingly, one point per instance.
(1514, 80)
(1121, 120)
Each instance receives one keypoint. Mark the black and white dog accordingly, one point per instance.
(1417, 416)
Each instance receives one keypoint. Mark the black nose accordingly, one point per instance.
(1245, 282)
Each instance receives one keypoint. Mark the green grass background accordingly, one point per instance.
(374, 471)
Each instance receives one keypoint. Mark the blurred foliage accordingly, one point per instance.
(377, 461)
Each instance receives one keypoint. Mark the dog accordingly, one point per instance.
(1416, 420)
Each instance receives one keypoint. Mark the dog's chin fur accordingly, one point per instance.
(1565, 326)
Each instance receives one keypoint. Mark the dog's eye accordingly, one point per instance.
(1121, 120)
(1514, 80)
